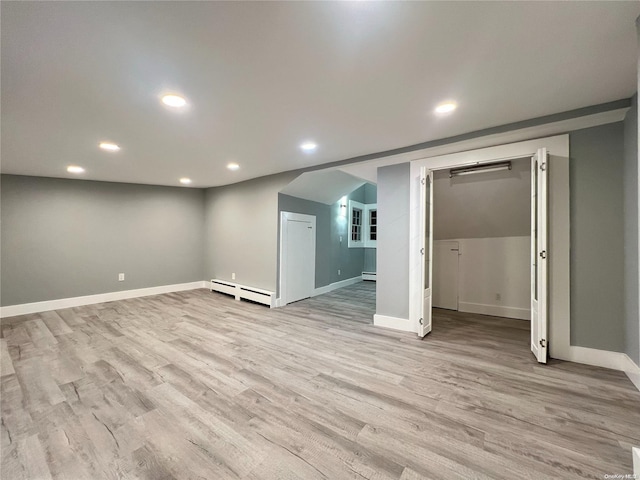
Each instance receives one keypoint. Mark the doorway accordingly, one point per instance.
(449, 253)
(345, 211)
(298, 255)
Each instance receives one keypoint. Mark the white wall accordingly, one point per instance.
(491, 266)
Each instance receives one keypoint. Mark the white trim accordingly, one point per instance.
(495, 310)
(369, 276)
(393, 322)
(365, 225)
(37, 307)
(301, 217)
(363, 218)
(595, 357)
(368, 169)
(633, 372)
(368, 243)
(336, 285)
(636, 461)
(558, 147)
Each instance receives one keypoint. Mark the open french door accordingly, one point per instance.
(426, 220)
(539, 255)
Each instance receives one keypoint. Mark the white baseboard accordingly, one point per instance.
(495, 310)
(595, 357)
(636, 461)
(633, 372)
(326, 289)
(370, 276)
(36, 307)
(396, 323)
(602, 358)
(336, 285)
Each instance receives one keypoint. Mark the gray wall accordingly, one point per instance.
(392, 287)
(631, 314)
(486, 205)
(241, 230)
(597, 237)
(331, 254)
(66, 238)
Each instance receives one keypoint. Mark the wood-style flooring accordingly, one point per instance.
(197, 385)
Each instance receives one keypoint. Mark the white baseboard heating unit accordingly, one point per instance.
(371, 276)
(241, 292)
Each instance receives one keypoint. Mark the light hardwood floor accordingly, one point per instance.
(197, 385)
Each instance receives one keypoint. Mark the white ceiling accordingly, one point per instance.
(260, 78)
(324, 186)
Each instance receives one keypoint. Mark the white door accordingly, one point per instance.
(445, 274)
(298, 256)
(426, 202)
(539, 255)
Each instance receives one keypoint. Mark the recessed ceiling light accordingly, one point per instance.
(308, 146)
(233, 166)
(108, 146)
(75, 169)
(446, 107)
(173, 100)
(185, 181)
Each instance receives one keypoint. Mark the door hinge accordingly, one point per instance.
(422, 251)
(423, 180)
(420, 321)
(543, 166)
(543, 342)
(543, 254)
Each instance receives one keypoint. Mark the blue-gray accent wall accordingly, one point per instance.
(331, 224)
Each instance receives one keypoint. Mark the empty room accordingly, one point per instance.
(319, 240)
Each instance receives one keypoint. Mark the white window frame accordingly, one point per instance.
(368, 243)
(363, 230)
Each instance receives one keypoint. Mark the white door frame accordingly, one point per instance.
(301, 217)
(559, 280)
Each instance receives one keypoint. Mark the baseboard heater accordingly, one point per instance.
(242, 292)
(371, 276)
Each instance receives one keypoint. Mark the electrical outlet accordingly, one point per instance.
(121, 277)
(338, 272)
(340, 238)
(233, 276)
(498, 297)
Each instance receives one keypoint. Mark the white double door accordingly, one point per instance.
(539, 253)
